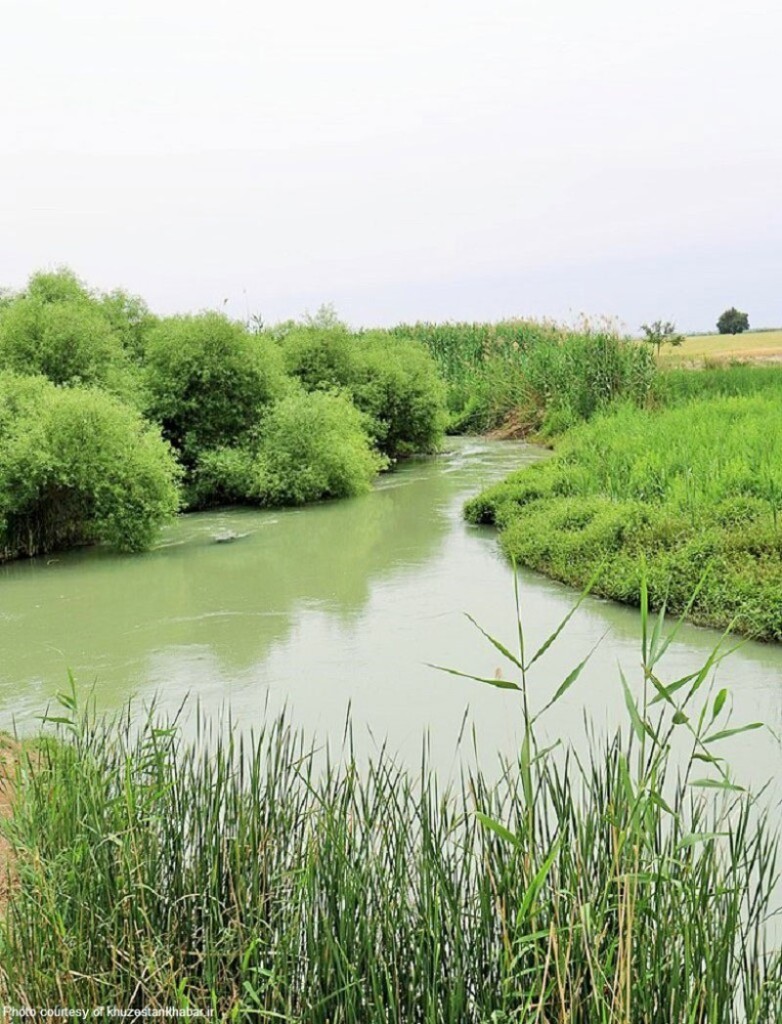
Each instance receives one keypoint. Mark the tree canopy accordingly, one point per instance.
(732, 321)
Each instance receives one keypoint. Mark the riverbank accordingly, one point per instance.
(689, 494)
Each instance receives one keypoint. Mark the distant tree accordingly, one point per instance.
(326, 317)
(733, 322)
(661, 333)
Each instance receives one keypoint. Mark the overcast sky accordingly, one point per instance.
(437, 159)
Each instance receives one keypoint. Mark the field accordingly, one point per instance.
(752, 345)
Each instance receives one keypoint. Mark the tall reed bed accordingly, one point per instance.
(532, 376)
(264, 880)
(679, 490)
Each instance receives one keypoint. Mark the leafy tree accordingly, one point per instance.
(733, 322)
(660, 333)
(78, 466)
(325, 317)
(55, 327)
(209, 381)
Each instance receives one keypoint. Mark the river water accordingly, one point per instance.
(346, 604)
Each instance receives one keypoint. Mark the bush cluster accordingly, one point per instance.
(77, 465)
(393, 381)
(106, 409)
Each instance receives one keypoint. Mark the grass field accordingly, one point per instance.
(751, 345)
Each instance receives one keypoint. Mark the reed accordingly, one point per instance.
(261, 879)
(532, 377)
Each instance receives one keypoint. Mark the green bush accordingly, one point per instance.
(313, 446)
(393, 381)
(209, 381)
(223, 476)
(130, 318)
(322, 359)
(56, 328)
(77, 466)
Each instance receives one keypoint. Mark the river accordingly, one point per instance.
(345, 604)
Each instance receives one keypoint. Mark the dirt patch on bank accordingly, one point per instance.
(10, 752)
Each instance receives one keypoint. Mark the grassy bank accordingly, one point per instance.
(687, 490)
(259, 880)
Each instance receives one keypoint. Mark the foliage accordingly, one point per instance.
(530, 377)
(223, 476)
(324, 318)
(681, 489)
(314, 446)
(393, 381)
(57, 328)
(677, 387)
(733, 322)
(76, 465)
(130, 318)
(253, 878)
(309, 447)
(209, 381)
(660, 333)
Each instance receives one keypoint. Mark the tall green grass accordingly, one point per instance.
(265, 880)
(677, 387)
(532, 377)
(680, 490)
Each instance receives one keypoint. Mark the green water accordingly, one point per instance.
(341, 604)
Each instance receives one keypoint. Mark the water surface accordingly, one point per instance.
(343, 604)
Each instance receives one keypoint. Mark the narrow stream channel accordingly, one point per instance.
(339, 604)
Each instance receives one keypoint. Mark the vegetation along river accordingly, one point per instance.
(345, 604)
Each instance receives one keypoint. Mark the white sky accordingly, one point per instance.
(442, 159)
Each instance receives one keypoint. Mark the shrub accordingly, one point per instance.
(130, 318)
(209, 381)
(77, 465)
(56, 328)
(321, 359)
(393, 381)
(314, 446)
(224, 476)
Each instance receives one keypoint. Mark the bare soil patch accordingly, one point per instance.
(9, 755)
